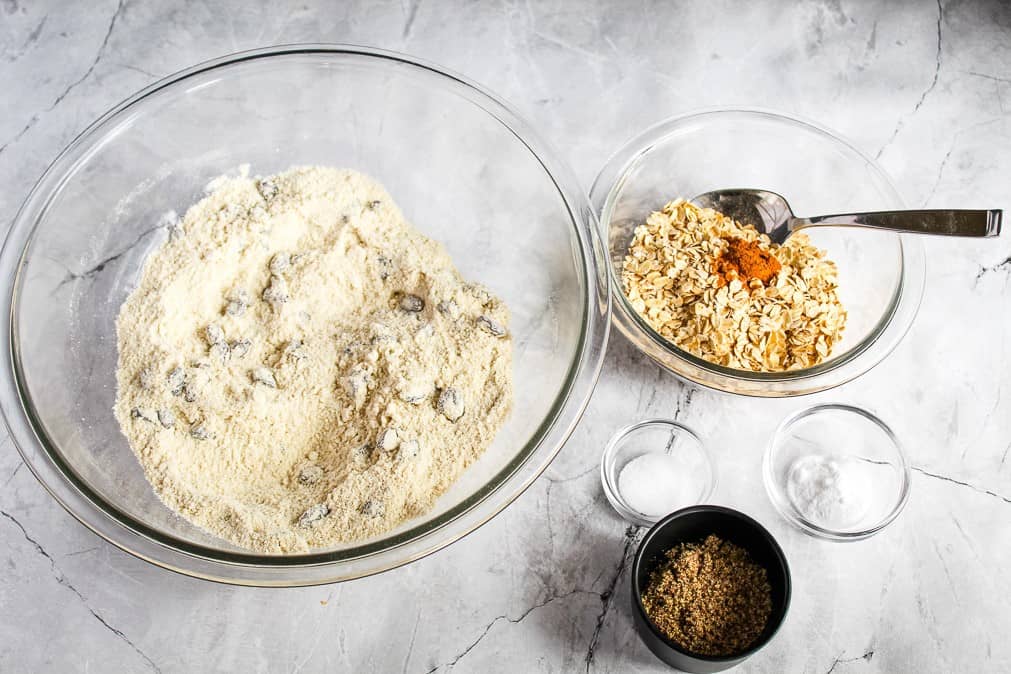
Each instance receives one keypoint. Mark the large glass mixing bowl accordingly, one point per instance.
(881, 274)
(459, 163)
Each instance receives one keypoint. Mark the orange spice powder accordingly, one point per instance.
(744, 260)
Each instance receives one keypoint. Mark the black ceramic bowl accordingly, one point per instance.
(693, 525)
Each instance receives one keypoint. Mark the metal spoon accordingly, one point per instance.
(769, 212)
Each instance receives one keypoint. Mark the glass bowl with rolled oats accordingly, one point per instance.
(712, 299)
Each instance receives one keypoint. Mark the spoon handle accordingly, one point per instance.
(945, 222)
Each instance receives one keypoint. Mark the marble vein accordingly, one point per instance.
(951, 148)
(487, 628)
(866, 657)
(102, 264)
(32, 38)
(947, 571)
(965, 536)
(557, 480)
(98, 57)
(995, 78)
(412, 14)
(926, 92)
(984, 270)
(410, 646)
(73, 85)
(18, 467)
(137, 69)
(684, 401)
(653, 389)
(62, 579)
(607, 596)
(309, 652)
(981, 490)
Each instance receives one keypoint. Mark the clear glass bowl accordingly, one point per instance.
(460, 164)
(881, 274)
(688, 471)
(870, 471)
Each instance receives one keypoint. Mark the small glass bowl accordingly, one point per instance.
(872, 471)
(690, 460)
(881, 274)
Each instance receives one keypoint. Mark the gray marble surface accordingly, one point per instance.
(543, 587)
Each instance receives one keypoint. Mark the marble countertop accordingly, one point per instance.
(921, 85)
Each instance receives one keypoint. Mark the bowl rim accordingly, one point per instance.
(895, 322)
(748, 521)
(790, 514)
(43, 458)
(608, 479)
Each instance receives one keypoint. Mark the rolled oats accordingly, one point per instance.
(669, 277)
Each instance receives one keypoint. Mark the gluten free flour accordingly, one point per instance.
(300, 367)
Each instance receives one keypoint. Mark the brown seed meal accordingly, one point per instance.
(709, 597)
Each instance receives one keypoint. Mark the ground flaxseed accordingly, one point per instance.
(709, 597)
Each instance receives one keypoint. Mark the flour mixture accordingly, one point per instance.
(299, 367)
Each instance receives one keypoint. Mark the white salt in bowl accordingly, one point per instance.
(461, 165)
(836, 472)
(655, 467)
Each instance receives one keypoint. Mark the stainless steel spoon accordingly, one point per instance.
(769, 212)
